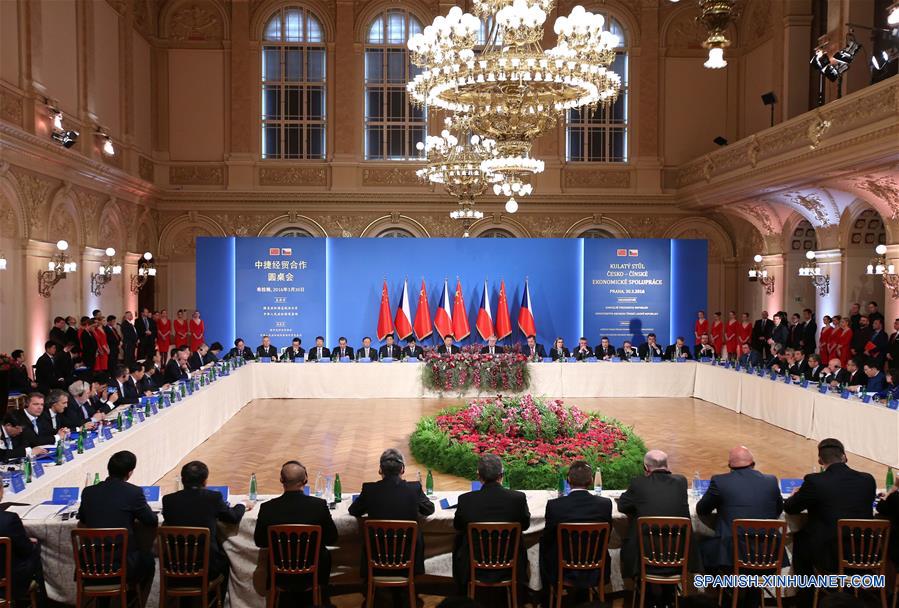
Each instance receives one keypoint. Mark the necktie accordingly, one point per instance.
(34, 424)
(319, 356)
(84, 411)
(7, 441)
(389, 351)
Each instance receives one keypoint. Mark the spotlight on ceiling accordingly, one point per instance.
(66, 139)
(720, 141)
(893, 14)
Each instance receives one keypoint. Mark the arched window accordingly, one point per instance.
(496, 233)
(293, 86)
(600, 135)
(395, 233)
(392, 124)
(294, 232)
(595, 233)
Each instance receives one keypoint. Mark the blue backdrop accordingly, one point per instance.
(337, 292)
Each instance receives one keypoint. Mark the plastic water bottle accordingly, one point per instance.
(429, 483)
(253, 487)
(597, 482)
(319, 485)
(697, 484)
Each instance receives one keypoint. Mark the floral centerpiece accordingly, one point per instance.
(537, 439)
(469, 369)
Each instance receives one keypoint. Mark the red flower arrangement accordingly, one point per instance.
(506, 371)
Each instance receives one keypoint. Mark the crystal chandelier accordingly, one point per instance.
(512, 89)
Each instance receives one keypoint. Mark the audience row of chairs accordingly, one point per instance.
(101, 567)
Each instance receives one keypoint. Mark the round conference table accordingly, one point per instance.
(868, 429)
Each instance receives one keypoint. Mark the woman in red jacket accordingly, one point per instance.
(163, 334)
(197, 331)
(744, 332)
(701, 327)
(717, 333)
(181, 329)
(731, 335)
(824, 341)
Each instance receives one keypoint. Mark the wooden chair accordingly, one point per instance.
(390, 546)
(6, 581)
(292, 552)
(862, 548)
(581, 548)
(184, 566)
(664, 544)
(101, 564)
(758, 549)
(493, 547)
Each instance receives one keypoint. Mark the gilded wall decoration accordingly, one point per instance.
(390, 176)
(11, 108)
(196, 22)
(197, 175)
(685, 32)
(63, 226)
(760, 214)
(145, 169)
(816, 131)
(758, 21)
(293, 176)
(33, 191)
(184, 242)
(884, 188)
(9, 222)
(813, 203)
(592, 178)
(241, 224)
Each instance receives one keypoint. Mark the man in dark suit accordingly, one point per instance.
(835, 375)
(212, 355)
(892, 356)
(294, 507)
(799, 365)
(394, 498)
(492, 503)
(874, 313)
(748, 357)
(878, 344)
(628, 351)
(389, 350)
(40, 426)
(45, 369)
(533, 350)
(146, 331)
(240, 350)
(743, 493)
(112, 339)
(836, 493)
(658, 493)
(815, 369)
(491, 348)
(195, 506)
(761, 332)
(319, 351)
(582, 350)
(88, 342)
(412, 349)
(129, 338)
(196, 359)
(64, 365)
(115, 503)
(125, 386)
(26, 556)
(448, 348)
(888, 506)
(794, 331)
(176, 368)
(150, 380)
(704, 350)
(79, 411)
(266, 349)
(342, 349)
(12, 441)
(605, 350)
(678, 350)
(809, 331)
(58, 332)
(877, 382)
(294, 351)
(367, 351)
(72, 330)
(856, 376)
(860, 338)
(650, 348)
(580, 506)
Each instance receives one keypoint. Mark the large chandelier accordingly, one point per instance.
(512, 89)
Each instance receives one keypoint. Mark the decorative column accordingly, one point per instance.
(38, 317)
(830, 303)
(797, 27)
(774, 264)
(129, 267)
(891, 297)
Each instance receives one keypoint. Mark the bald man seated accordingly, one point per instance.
(743, 493)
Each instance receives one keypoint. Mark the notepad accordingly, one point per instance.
(787, 485)
(449, 503)
(223, 490)
(151, 493)
(64, 496)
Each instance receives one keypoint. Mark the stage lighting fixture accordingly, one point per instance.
(720, 141)
(893, 14)
(770, 99)
(66, 139)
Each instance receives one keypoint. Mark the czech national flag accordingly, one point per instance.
(443, 319)
(403, 320)
(422, 324)
(503, 323)
(460, 317)
(484, 322)
(526, 321)
(385, 325)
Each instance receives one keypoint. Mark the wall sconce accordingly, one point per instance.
(810, 269)
(759, 273)
(57, 269)
(887, 272)
(146, 268)
(2, 261)
(108, 270)
(108, 147)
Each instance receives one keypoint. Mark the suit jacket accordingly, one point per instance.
(704, 351)
(26, 558)
(46, 428)
(492, 503)
(840, 376)
(372, 353)
(45, 373)
(58, 336)
(246, 353)
(795, 333)
(646, 351)
(173, 372)
(889, 507)
(313, 354)
(271, 351)
(602, 353)
(526, 350)
(881, 344)
(813, 374)
(799, 368)
(129, 333)
(88, 348)
(147, 384)
(297, 508)
(418, 352)
(195, 361)
(115, 503)
(71, 334)
(634, 352)
(202, 508)
(877, 384)
(752, 359)
(11, 447)
(141, 325)
(290, 354)
(75, 415)
(761, 331)
(127, 390)
(396, 351)
(556, 354)
(452, 350)
(780, 334)
(497, 350)
(581, 355)
(857, 378)
(837, 493)
(660, 494)
(579, 506)
(809, 330)
(859, 339)
(394, 498)
(740, 494)
(64, 369)
(19, 382)
(347, 352)
(671, 352)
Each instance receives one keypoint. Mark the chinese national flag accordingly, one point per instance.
(385, 323)
(503, 322)
(460, 317)
(422, 323)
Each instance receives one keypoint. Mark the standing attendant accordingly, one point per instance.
(842, 341)
(146, 329)
(114, 339)
(102, 348)
(163, 333)
(744, 331)
(181, 329)
(892, 360)
(701, 327)
(88, 343)
(731, 335)
(809, 331)
(717, 333)
(761, 332)
(58, 332)
(824, 339)
(197, 331)
(129, 338)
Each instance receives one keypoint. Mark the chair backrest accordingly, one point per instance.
(183, 552)
(862, 544)
(390, 545)
(100, 553)
(582, 546)
(758, 544)
(493, 546)
(6, 571)
(664, 542)
(293, 549)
